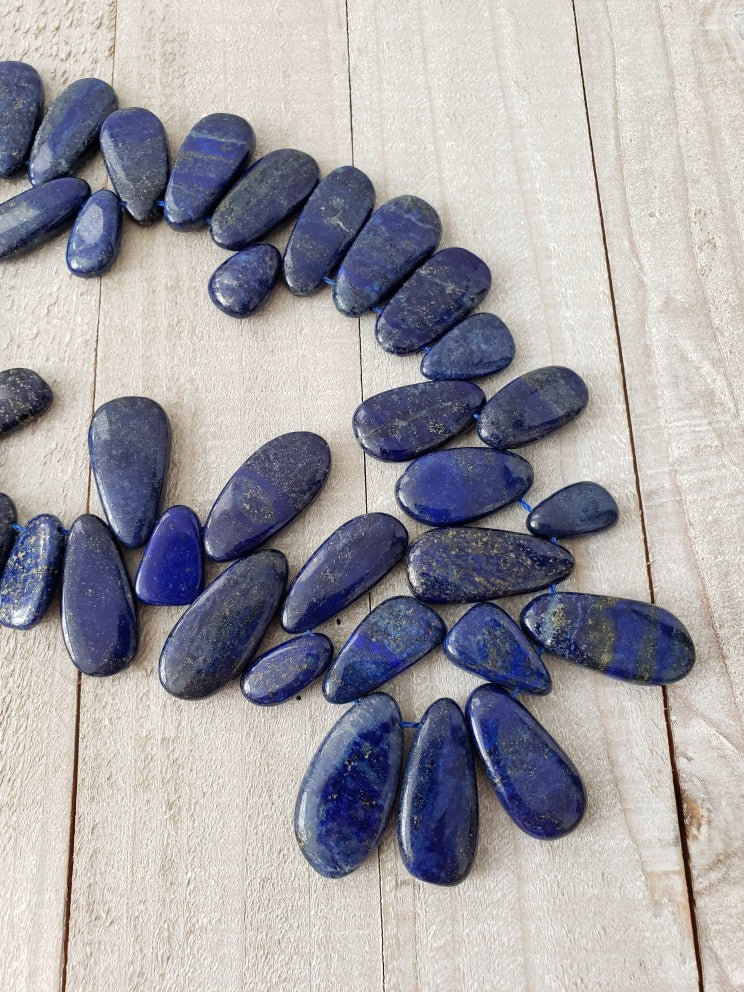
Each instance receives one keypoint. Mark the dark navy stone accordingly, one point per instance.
(486, 641)
(270, 192)
(7, 533)
(632, 641)
(129, 445)
(95, 236)
(471, 564)
(396, 239)
(23, 396)
(220, 632)
(135, 150)
(266, 493)
(212, 155)
(408, 421)
(345, 566)
(444, 290)
(390, 639)
(99, 612)
(287, 669)
(31, 572)
(581, 508)
(330, 220)
(21, 99)
(171, 571)
(69, 129)
(460, 484)
(480, 345)
(348, 792)
(534, 779)
(531, 406)
(36, 215)
(438, 808)
(243, 283)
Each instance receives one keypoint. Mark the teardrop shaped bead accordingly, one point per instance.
(243, 283)
(535, 781)
(21, 100)
(396, 239)
(36, 215)
(220, 632)
(388, 641)
(135, 150)
(31, 573)
(402, 423)
(24, 396)
(95, 236)
(287, 669)
(438, 808)
(266, 493)
(99, 612)
(456, 485)
(348, 792)
(129, 445)
(626, 639)
(480, 345)
(171, 571)
(581, 508)
(345, 566)
(7, 533)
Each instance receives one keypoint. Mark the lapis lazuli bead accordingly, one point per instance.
(31, 572)
(480, 345)
(455, 485)
(535, 781)
(209, 160)
(623, 638)
(581, 508)
(135, 150)
(95, 236)
(347, 564)
(99, 612)
(438, 807)
(330, 220)
(69, 129)
(287, 669)
(402, 423)
(266, 493)
(7, 533)
(487, 642)
(347, 795)
(220, 632)
(23, 396)
(388, 641)
(171, 571)
(36, 215)
(270, 192)
(21, 99)
(129, 445)
(243, 283)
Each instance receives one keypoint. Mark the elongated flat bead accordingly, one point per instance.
(36, 215)
(243, 283)
(266, 493)
(31, 572)
(171, 572)
(348, 792)
(347, 564)
(24, 396)
(396, 239)
(479, 345)
(581, 508)
(629, 640)
(7, 534)
(390, 639)
(99, 613)
(287, 669)
(402, 423)
(135, 150)
(438, 808)
(95, 236)
(21, 99)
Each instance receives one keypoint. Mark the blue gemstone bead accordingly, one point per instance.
(129, 445)
(480, 345)
(243, 283)
(95, 236)
(220, 632)
(171, 572)
(209, 160)
(581, 508)
(36, 215)
(31, 572)
(21, 100)
(99, 612)
(135, 150)
(632, 641)
(23, 396)
(388, 641)
(287, 669)
(460, 484)
(345, 566)
(438, 809)
(7, 533)
(348, 792)
(396, 239)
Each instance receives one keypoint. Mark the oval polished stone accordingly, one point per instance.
(348, 792)
(581, 508)
(21, 100)
(220, 632)
(209, 160)
(31, 572)
(471, 564)
(7, 531)
(396, 239)
(330, 220)
(135, 150)
(388, 641)
(99, 613)
(479, 345)
(287, 669)
(270, 192)
(438, 808)
(535, 781)
(36, 215)
(69, 129)
(129, 445)
(531, 406)
(629, 640)
(95, 236)
(439, 294)
(455, 485)
(347, 564)
(243, 283)
(487, 642)
(402, 423)
(23, 396)
(171, 571)
(266, 493)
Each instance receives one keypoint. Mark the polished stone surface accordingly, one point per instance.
(31, 573)
(95, 237)
(581, 508)
(243, 283)
(480, 345)
(171, 571)
(21, 100)
(7, 533)
(286, 669)
(135, 150)
(347, 795)
(37, 214)
(23, 396)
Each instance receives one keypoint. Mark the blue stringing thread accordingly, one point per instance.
(514, 693)
(407, 723)
(208, 221)
(525, 505)
(426, 349)
(160, 203)
(377, 310)
(328, 281)
(123, 204)
(552, 587)
(18, 529)
(476, 416)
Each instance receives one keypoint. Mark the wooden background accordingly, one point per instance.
(591, 153)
